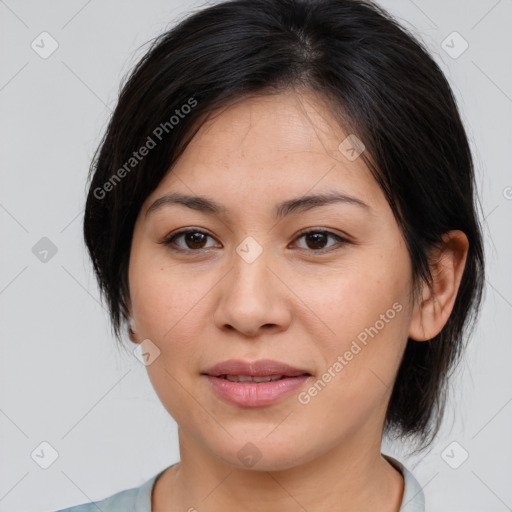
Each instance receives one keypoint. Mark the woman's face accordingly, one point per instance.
(246, 284)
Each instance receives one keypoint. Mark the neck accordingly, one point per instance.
(346, 478)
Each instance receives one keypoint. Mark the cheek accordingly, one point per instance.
(361, 362)
(368, 312)
(164, 300)
(354, 298)
(163, 308)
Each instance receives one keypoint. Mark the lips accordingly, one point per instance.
(245, 371)
(255, 384)
(248, 378)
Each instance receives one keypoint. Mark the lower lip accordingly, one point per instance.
(255, 394)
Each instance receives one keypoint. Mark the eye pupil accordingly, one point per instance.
(317, 238)
(195, 238)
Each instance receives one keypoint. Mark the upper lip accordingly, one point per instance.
(259, 368)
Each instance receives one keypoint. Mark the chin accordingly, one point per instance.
(261, 455)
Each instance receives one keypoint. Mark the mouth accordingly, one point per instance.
(262, 370)
(254, 384)
(253, 378)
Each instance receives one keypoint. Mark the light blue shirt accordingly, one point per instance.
(138, 499)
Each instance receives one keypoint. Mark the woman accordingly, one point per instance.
(282, 213)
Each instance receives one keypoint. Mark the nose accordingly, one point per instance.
(253, 299)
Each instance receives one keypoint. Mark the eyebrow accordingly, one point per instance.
(299, 204)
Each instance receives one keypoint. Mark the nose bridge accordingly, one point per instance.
(250, 272)
(251, 296)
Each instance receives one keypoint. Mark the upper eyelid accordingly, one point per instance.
(181, 232)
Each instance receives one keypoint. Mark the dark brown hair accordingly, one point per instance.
(382, 85)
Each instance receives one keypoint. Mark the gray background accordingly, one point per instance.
(64, 382)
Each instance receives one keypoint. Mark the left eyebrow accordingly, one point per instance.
(295, 205)
(303, 203)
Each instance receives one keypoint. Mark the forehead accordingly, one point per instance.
(282, 124)
(281, 144)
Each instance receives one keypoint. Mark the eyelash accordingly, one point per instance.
(169, 241)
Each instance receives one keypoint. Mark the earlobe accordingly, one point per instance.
(132, 332)
(447, 264)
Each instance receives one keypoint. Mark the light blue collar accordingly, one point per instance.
(413, 499)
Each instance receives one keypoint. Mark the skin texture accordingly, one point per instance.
(294, 304)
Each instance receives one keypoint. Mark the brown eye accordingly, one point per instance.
(193, 239)
(317, 239)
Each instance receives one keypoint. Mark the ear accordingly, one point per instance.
(447, 263)
(132, 332)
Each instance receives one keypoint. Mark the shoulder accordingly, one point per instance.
(413, 499)
(135, 499)
(121, 500)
